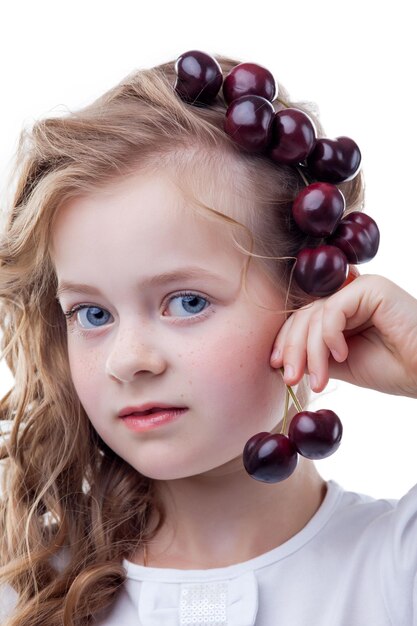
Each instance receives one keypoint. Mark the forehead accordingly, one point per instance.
(149, 201)
(140, 220)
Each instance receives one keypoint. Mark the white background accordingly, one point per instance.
(356, 60)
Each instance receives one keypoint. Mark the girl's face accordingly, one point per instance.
(138, 341)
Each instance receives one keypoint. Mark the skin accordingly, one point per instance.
(219, 365)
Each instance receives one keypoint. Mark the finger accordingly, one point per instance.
(317, 353)
(356, 303)
(279, 343)
(334, 322)
(294, 351)
(348, 312)
(282, 336)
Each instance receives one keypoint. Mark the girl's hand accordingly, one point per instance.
(364, 334)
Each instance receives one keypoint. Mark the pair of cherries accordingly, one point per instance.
(289, 137)
(313, 434)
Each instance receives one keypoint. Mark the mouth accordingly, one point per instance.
(141, 421)
(149, 408)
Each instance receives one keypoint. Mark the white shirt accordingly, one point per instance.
(353, 564)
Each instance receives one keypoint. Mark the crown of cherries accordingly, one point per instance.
(289, 137)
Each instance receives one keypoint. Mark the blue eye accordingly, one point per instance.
(190, 301)
(93, 314)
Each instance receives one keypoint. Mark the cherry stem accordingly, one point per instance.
(302, 176)
(284, 419)
(292, 394)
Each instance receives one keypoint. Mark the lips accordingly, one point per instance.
(148, 409)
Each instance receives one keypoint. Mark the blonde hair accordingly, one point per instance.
(64, 489)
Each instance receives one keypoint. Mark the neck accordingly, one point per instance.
(226, 517)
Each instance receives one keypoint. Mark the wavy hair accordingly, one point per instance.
(64, 491)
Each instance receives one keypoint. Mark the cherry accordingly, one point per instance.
(292, 136)
(315, 434)
(249, 79)
(270, 458)
(199, 77)
(248, 121)
(357, 235)
(320, 271)
(318, 208)
(334, 160)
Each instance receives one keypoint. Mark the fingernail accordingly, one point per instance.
(288, 371)
(276, 354)
(313, 380)
(336, 355)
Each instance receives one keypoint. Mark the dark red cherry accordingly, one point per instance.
(292, 136)
(320, 271)
(269, 458)
(357, 235)
(316, 434)
(248, 122)
(334, 160)
(199, 77)
(249, 79)
(318, 208)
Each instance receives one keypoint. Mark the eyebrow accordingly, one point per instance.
(183, 273)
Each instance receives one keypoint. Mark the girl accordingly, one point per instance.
(146, 264)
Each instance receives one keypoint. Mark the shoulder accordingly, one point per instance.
(376, 527)
(376, 541)
(382, 529)
(381, 518)
(359, 510)
(351, 510)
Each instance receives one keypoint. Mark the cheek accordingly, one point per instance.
(234, 356)
(241, 350)
(241, 380)
(83, 368)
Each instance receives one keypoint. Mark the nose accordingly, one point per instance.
(134, 350)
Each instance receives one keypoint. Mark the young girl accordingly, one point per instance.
(147, 263)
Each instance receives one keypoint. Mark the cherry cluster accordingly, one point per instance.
(289, 137)
(313, 434)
